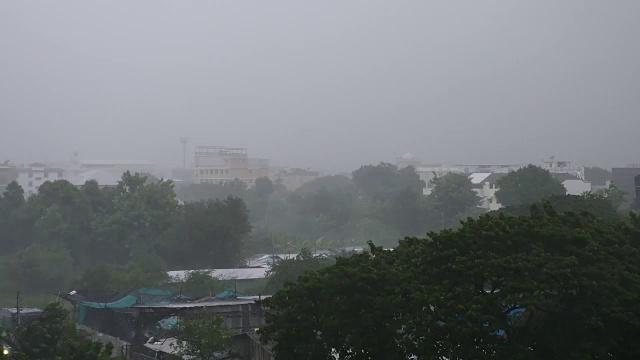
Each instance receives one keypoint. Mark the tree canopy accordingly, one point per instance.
(527, 186)
(453, 196)
(550, 285)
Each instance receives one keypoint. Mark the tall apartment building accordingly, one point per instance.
(219, 165)
(36, 174)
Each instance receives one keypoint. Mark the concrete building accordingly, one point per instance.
(627, 179)
(104, 178)
(36, 174)
(573, 184)
(486, 186)
(428, 172)
(219, 165)
(562, 167)
(8, 174)
(118, 166)
(294, 178)
(408, 160)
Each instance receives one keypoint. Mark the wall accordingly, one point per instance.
(120, 346)
(624, 179)
(576, 187)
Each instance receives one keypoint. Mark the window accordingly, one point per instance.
(201, 172)
(216, 171)
(30, 175)
(30, 183)
(250, 171)
(46, 175)
(39, 178)
(227, 171)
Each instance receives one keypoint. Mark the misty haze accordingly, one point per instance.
(359, 179)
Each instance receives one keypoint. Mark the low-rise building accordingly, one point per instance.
(30, 178)
(294, 178)
(627, 179)
(219, 165)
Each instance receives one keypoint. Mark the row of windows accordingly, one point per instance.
(46, 176)
(216, 171)
(221, 182)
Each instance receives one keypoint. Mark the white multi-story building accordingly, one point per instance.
(486, 186)
(219, 165)
(36, 174)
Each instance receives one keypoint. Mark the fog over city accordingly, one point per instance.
(329, 85)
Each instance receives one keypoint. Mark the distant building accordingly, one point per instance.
(627, 179)
(429, 172)
(183, 175)
(486, 186)
(118, 166)
(8, 174)
(293, 179)
(408, 160)
(219, 165)
(103, 178)
(573, 184)
(36, 174)
(562, 167)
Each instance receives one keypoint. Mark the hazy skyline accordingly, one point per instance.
(325, 84)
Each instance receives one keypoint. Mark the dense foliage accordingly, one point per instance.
(53, 336)
(527, 186)
(550, 285)
(124, 237)
(203, 338)
(379, 202)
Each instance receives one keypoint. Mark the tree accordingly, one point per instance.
(53, 336)
(289, 270)
(527, 186)
(15, 222)
(141, 213)
(453, 196)
(13, 196)
(549, 285)
(207, 234)
(379, 181)
(598, 205)
(38, 268)
(202, 338)
(201, 284)
(264, 187)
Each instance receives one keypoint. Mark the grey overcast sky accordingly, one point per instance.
(324, 84)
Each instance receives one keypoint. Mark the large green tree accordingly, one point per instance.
(453, 197)
(53, 336)
(545, 286)
(142, 212)
(527, 186)
(203, 338)
(207, 234)
(289, 270)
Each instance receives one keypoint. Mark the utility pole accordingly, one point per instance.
(18, 309)
(184, 141)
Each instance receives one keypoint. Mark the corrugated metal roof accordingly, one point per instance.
(225, 274)
(200, 304)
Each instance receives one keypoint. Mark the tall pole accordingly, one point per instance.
(18, 308)
(184, 141)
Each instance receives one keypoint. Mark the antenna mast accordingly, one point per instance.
(184, 141)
